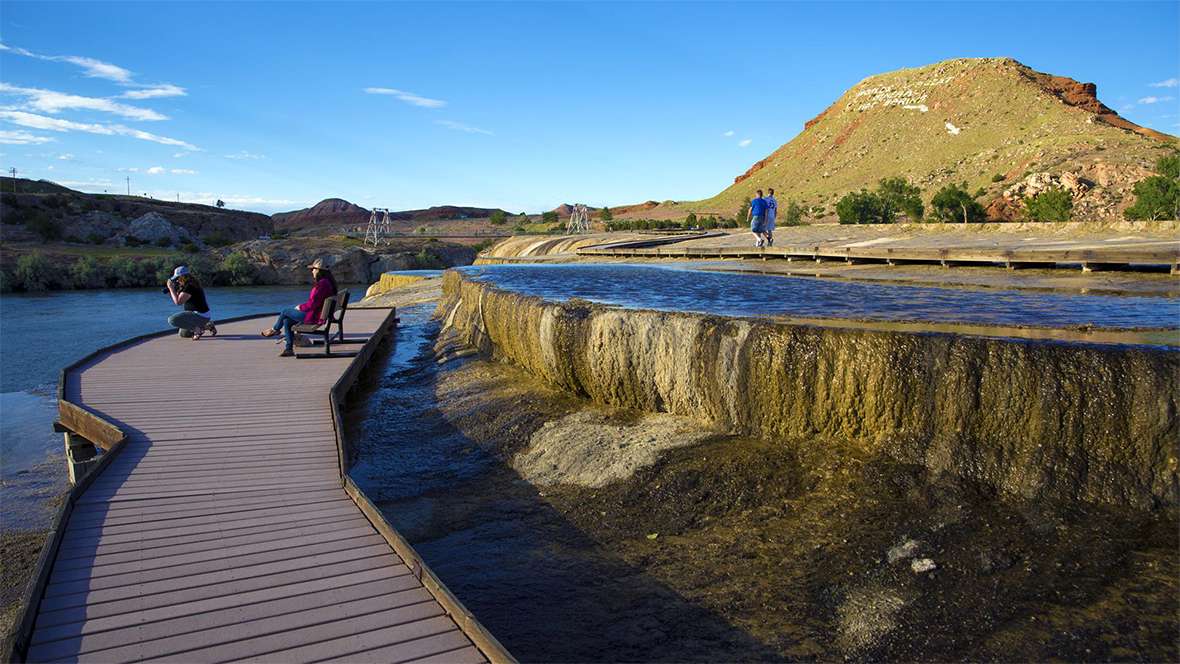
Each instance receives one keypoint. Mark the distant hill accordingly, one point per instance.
(337, 213)
(118, 219)
(992, 123)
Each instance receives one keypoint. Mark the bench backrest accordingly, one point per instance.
(341, 306)
(328, 309)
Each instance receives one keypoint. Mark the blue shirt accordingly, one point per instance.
(771, 208)
(758, 207)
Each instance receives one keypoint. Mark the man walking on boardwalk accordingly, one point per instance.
(771, 214)
(757, 218)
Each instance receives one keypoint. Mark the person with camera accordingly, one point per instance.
(186, 291)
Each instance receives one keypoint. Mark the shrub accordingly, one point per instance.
(549, 217)
(896, 194)
(743, 211)
(217, 239)
(607, 215)
(87, 272)
(238, 269)
(1055, 204)
(998, 177)
(690, 220)
(45, 227)
(95, 238)
(35, 272)
(1158, 196)
(498, 218)
(189, 248)
(861, 207)
(793, 215)
(953, 204)
(426, 259)
(164, 242)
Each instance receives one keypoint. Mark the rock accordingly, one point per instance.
(905, 549)
(154, 228)
(921, 565)
(995, 561)
(94, 224)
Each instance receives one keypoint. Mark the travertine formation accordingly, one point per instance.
(1067, 421)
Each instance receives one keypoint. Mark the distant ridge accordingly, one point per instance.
(335, 212)
(990, 122)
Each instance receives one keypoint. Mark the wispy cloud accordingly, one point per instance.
(90, 67)
(1154, 100)
(728, 133)
(1169, 83)
(34, 121)
(408, 97)
(182, 171)
(20, 137)
(66, 157)
(50, 101)
(459, 126)
(243, 155)
(155, 92)
(744, 142)
(155, 170)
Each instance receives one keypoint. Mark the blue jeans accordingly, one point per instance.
(757, 224)
(287, 318)
(188, 322)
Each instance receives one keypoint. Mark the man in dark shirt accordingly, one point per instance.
(757, 219)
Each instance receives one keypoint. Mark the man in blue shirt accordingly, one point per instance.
(771, 214)
(757, 219)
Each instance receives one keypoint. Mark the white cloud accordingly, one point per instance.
(728, 133)
(49, 101)
(408, 97)
(459, 126)
(65, 157)
(155, 170)
(744, 142)
(156, 91)
(1154, 100)
(34, 121)
(91, 67)
(1170, 83)
(182, 171)
(20, 137)
(243, 155)
(133, 169)
(85, 183)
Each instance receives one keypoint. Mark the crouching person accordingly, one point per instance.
(186, 291)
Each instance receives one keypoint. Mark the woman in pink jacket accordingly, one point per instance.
(308, 312)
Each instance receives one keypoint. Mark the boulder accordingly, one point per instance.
(94, 224)
(154, 228)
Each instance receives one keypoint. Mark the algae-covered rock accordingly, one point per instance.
(1075, 421)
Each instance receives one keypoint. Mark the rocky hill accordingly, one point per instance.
(30, 209)
(336, 213)
(992, 123)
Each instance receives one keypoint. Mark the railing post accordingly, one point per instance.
(81, 455)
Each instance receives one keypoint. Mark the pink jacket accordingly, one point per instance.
(315, 301)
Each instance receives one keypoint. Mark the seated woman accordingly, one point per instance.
(186, 291)
(308, 312)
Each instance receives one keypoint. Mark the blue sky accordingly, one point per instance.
(274, 106)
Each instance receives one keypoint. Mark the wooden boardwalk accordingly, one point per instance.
(222, 528)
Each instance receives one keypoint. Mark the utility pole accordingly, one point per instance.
(13, 171)
(128, 185)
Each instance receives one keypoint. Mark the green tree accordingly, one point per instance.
(743, 211)
(861, 207)
(793, 215)
(954, 204)
(690, 220)
(1158, 196)
(898, 195)
(549, 217)
(1054, 204)
(35, 272)
(88, 272)
(238, 269)
(498, 218)
(607, 215)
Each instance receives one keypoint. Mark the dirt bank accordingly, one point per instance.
(1071, 421)
(743, 549)
(19, 552)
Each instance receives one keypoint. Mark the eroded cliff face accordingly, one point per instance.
(1065, 421)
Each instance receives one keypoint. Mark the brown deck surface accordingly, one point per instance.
(221, 531)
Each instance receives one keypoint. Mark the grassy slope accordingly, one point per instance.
(1009, 125)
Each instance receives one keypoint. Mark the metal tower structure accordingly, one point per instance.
(579, 221)
(378, 231)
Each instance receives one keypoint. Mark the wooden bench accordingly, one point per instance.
(332, 314)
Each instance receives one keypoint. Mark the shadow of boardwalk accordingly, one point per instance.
(542, 586)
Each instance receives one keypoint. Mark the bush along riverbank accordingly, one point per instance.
(37, 271)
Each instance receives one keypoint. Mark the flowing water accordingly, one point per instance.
(42, 333)
(671, 288)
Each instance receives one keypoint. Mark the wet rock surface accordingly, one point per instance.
(741, 548)
(1068, 421)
